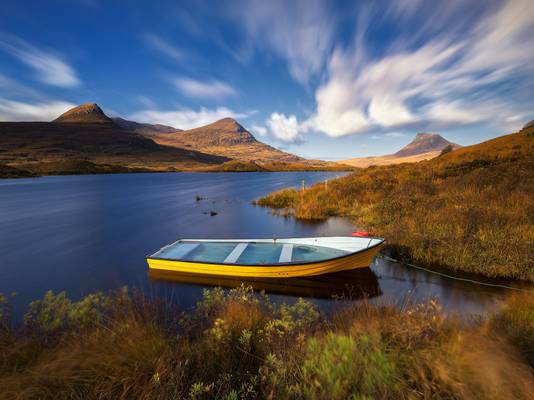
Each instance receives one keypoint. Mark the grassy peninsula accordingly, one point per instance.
(471, 209)
(239, 345)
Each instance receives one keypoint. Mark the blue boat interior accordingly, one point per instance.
(247, 253)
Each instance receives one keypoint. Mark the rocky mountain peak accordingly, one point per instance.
(85, 113)
(423, 143)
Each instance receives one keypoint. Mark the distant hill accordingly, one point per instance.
(85, 113)
(424, 143)
(144, 129)
(425, 146)
(228, 138)
(85, 140)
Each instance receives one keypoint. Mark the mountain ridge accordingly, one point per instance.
(229, 138)
(84, 113)
(142, 128)
(424, 143)
(424, 146)
(85, 140)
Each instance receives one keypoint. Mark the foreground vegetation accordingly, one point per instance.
(238, 345)
(471, 209)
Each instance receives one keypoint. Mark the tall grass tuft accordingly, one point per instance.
(237, 344)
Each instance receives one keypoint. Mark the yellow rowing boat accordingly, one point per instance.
(266, 258)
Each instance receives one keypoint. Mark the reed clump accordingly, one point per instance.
(237, 344)
(471, 209)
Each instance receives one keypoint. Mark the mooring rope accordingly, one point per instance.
(456, 277)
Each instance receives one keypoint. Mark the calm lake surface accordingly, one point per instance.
(88, 233)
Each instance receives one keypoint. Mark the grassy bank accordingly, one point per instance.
(84, 167)
(238, 345)
(471, 209)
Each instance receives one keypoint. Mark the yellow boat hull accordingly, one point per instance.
(359, 259)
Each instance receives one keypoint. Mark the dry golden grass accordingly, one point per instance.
(471, 209)
(238, 345)
(364, 162)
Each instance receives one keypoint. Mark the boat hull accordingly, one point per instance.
(361, 259)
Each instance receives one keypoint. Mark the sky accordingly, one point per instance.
(322, 79)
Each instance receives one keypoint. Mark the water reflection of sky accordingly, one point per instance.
(87, 233)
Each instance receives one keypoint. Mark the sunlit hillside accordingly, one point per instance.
(469, 210)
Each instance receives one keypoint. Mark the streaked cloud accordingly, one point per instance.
(11, 110)
(50, 67)
(300, 31)
(186, 118)
(211, 89)
(161, 45)
(395, 134)
(443, 82)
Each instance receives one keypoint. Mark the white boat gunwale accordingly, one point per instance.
(380, 242)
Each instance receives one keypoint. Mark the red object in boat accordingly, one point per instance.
(360, 234)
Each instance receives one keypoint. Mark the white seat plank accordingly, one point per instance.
(236, 252)
(286, 254)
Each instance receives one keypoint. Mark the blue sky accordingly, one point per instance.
(322, 79)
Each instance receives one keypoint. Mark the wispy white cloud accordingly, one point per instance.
(212, 89)
(446, 72)
(445, 81)
(145, 101)
(395, 134)
(186, 118)
(258, 129)
(11, 110)
(10, 87)
(300, 31)
(50, 67)
(164, 47)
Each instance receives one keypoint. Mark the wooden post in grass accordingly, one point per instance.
(303, 185)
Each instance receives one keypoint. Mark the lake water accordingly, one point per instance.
(88, 233)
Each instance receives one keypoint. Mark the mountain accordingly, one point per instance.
(85, 113)
(424, 143)
(425, 146)
(85, 140)
(144, 129)
(228, 138)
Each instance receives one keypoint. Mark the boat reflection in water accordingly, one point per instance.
(353, 284)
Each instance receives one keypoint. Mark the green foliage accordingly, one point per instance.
(56, 312)
(236, 344)
(340, 366)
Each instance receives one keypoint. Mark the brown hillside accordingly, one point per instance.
(85, 140)
(228, 138)
(86, 113)
(425, 146)
(471, 209)
(142, 128)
